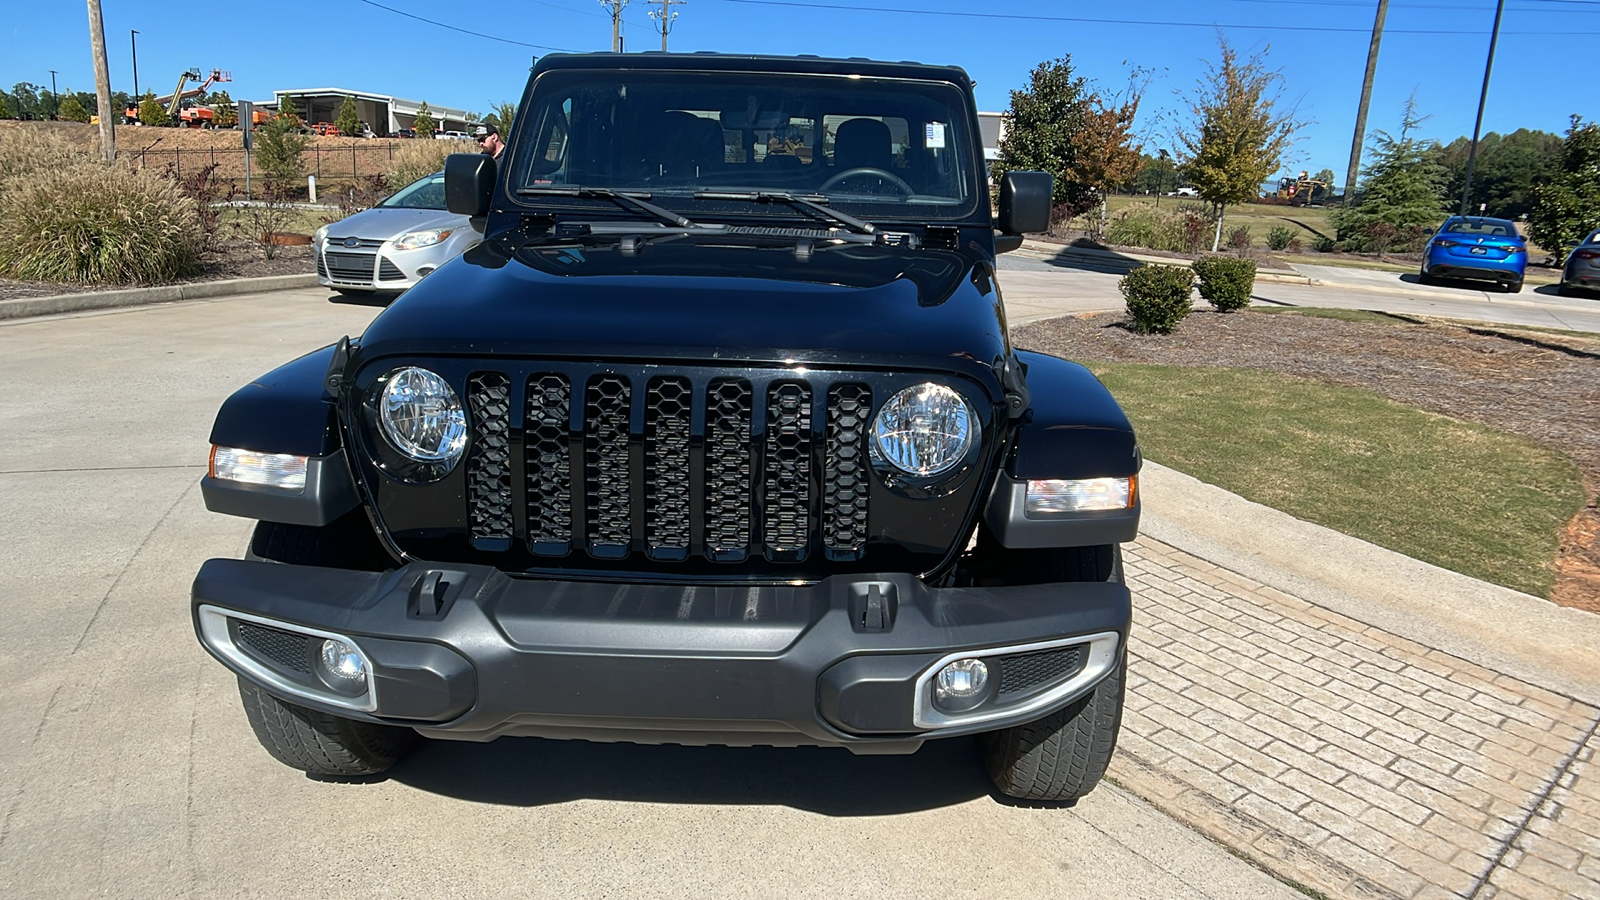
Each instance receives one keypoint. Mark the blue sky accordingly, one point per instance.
(1543, 66)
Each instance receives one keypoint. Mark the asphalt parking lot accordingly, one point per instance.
(127, 768)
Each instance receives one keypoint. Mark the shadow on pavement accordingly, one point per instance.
(364, 298)
(829, 781)
(1088, 256)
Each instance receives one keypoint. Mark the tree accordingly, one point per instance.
(1060, 124)
(151, 112)
(1506, 171)
(1238, 133)
(5, 106)
(26, 101)
(225, 114)
(348, 121)
(1566, 206)
(502, 115)
(1326, 176)
(280, 147)
(1403, 189)
(423, 122)
(73, 111)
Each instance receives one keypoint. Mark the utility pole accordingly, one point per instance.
(1366, 98)
(133, 38)
(102, 83)
(664, 18)
(55, 98)
(1472, 153)
(616, 7)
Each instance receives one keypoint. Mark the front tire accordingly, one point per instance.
(1065, 754)
(321, 743)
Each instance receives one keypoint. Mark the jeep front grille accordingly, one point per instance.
(670, 465)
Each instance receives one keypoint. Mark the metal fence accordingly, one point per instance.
(353, 162)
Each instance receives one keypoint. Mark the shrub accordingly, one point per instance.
(268, 219)
(1136, 228)
(207, 191)
(1279, 237)
(417, 159)
(423, 123)
(348, 121)
(152, 113)
(1195, 222)
(1225, 281)
(1324, 244)
(1295, 245)
(25, 151)
(92, 224)
(280, 147)
(73, 111)
(1380, 235)
(1158, 297)
(1240, 239)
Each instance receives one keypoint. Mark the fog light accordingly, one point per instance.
(343, 663)
(961, 685)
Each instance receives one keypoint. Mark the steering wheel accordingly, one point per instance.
(896, 181)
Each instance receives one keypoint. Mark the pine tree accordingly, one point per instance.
(423, 122)
(73, 111)
(151, 112)
(1567, 206)
(280, 147)
(1403, 187)
(224, 113)
(348, 121)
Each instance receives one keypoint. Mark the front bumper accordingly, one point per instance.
(467, 652)
(375, 266)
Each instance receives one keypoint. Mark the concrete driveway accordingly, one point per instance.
(127, 768)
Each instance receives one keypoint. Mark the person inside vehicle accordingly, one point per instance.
(488, 137)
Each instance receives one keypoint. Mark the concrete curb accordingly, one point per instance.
(25, 307)
(1119, 261)
(1495, 627)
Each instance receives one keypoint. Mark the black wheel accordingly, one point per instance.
(1424, 278)
(1512, 287)
(321, 743)
(1064, 755)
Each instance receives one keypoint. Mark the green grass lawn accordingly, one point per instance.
(1461, 496)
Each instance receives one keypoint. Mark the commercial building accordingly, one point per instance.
(384, 114)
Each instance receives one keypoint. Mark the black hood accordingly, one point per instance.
(708, 299)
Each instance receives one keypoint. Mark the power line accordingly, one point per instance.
(1130, 22)
(401, 12)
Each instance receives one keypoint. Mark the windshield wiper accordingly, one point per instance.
(859, 226)
(628, 200)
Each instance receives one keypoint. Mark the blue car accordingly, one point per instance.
(1479, 249)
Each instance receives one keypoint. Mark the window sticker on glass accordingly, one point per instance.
(935, 132)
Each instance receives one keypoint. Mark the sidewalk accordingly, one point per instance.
(1353, 720)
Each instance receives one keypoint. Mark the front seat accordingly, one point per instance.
(862, 143)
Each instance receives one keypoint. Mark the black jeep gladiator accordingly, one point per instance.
(717, 438)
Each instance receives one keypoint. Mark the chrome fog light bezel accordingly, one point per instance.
(1100, 655)
(217, 637)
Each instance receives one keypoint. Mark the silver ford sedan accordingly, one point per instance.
(393, 245)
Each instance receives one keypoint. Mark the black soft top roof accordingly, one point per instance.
(729, 62)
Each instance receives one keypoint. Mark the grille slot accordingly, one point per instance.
(284, 649)
(666, 449)
(353, 267)
(607, 493)
(388, 271)
(844, 490)
(322, 267)
(728, 469)
(489, 463)
(1025, 671)
(786, 499)
(549, 465)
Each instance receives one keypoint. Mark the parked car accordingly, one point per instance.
(393, 245)
(406, 133)
(751, 461)
(1185, 192)
(1582, 271)
(451, 136)
(1478, 249)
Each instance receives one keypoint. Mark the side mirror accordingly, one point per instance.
(1025, 202)
(469, 183)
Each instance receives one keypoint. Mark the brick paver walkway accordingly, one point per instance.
(1346, 758)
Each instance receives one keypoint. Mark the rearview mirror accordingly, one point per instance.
(469, 183)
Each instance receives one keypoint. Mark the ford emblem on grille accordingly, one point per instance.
(352, 242)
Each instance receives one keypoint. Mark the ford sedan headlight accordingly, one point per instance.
(321, 235)
(923, 430)
(421, 416)
(416, 240)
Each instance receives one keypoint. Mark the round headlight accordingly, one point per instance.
(422, 417)
(923, 430)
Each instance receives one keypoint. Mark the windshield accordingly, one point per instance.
(878, 148)
(1486, 227)
(426, 193)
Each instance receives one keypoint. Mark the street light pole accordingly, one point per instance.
(55, 99)
(1488, 66)
(133, 38)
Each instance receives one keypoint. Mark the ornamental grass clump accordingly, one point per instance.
(90, 224)
(418, 159)
(1158, 297)
(24, 151)
(1226, 282)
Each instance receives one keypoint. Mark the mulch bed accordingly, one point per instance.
(1545, 387)
(233, 259)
